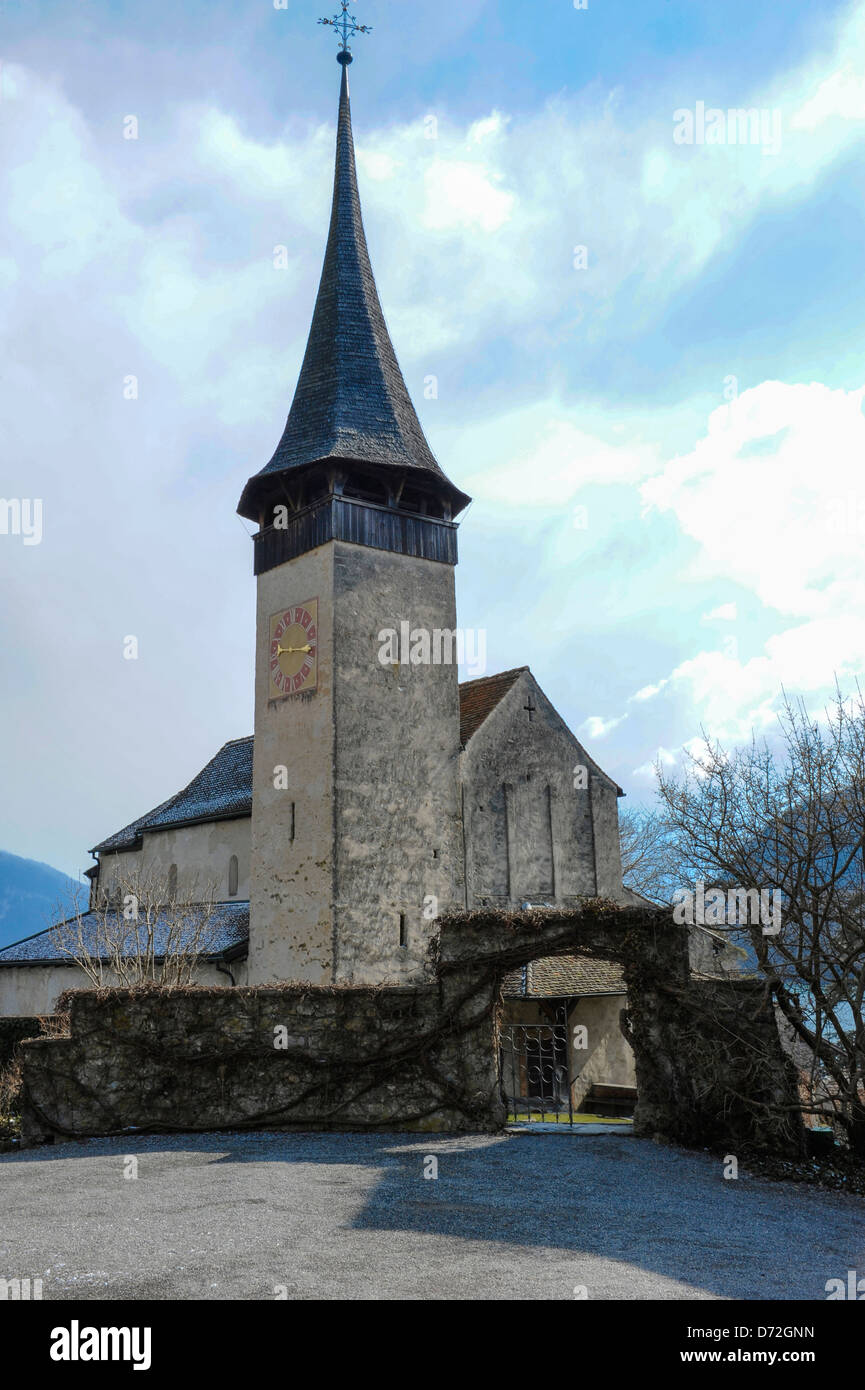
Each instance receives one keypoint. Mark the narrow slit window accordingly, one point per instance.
(172, 882)
(232, 876)
(291, 822)
(403, 941)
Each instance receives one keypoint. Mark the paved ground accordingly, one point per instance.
(243, 1216)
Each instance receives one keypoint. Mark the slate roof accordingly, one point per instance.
(554, 977)
(351, 401)
(227, 928)
(221, 790)
(479, 698)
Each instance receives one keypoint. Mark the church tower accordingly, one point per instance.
(356, 825)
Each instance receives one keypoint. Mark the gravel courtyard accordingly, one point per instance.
(343, 1216)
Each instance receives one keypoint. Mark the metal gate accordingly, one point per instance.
(534, 1062)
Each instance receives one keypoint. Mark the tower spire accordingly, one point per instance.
(351, 405)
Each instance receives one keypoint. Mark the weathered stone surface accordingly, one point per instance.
(409, 1057)
(709, 1062)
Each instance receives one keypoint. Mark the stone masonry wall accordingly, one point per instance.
(402, 1057)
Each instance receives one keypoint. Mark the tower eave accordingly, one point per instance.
(267, 488)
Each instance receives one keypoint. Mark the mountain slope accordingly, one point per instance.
(32, 896)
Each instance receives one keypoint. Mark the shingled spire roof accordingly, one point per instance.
(351, 402)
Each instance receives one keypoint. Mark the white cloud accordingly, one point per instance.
(543, 458)
(842, 94)
(646, 771)
(774, 495)
(460, 194)
(596, 727)
(725, 612)
(648, 692)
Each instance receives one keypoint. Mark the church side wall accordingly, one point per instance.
(608, 854)
(34, 989)
(202, 854)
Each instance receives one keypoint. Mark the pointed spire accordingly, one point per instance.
(351, 402)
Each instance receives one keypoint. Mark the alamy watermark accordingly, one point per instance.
(853, 1288)
(21, 516)
(731, 907)
(736, 126)
(422, 646)
(20, 1290)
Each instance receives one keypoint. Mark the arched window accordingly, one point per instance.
(172, 883)
(232, 876)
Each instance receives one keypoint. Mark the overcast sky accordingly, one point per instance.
(663, 434)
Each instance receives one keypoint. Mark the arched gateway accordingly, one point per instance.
(709, 1064)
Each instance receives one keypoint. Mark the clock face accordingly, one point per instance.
(293, 653)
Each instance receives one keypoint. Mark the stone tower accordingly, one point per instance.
(356, 827)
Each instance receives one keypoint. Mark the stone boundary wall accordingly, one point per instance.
(404, 1058)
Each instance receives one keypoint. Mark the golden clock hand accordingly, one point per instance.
(283, 651)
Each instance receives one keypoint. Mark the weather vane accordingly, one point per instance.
(346, 26)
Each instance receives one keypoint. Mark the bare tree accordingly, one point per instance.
(143, 932)
(649, 858)
(792, 822)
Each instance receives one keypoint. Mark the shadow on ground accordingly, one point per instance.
(510, 1216)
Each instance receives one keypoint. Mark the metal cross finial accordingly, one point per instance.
(346, 26)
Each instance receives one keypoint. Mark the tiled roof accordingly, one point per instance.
(229, 926)
(351, 401)
(552, 977)
(222, 789)
(479, 698)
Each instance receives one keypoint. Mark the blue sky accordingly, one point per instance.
(665, 447)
